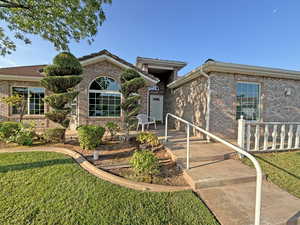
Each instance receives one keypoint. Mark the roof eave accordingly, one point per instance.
(116, 62)
(20, 78)
(214, 66)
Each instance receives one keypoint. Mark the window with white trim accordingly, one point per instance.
(104, 98)
(34, 97)
(248, 96)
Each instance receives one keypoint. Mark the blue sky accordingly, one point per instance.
(256, 32)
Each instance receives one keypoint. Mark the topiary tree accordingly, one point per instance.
(131, 83)
(61, 78)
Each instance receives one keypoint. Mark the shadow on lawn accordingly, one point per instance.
(277, 167)
(32, 165)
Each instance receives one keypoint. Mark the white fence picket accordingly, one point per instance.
(257, 136)
(248, 135)
(290, 137)
(266, 137)
(297, 137)
(282, 136)
(274, 135)
(288, 132)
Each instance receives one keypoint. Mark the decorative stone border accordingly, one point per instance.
(140, 186)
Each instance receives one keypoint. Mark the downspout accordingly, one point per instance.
(208, 101)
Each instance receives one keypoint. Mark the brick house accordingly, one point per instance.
(212, 96)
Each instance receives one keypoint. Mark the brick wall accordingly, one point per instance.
(274, 104)
(189, 102)
(91, 72)
(6, 111)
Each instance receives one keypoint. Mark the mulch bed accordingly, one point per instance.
(114, 157)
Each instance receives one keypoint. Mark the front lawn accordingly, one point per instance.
(50, 188)
(282, 169)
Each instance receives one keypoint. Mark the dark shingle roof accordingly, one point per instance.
(23, 70)
(36, 70)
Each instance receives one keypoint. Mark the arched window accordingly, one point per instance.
(104, 98)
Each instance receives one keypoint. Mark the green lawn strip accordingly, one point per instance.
(50, 188)
(283, 169)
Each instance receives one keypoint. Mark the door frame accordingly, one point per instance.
(149, 106)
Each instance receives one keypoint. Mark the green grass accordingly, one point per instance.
(50, 188)
(283, 169)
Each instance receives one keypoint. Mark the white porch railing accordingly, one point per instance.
(268, 136)
(234, 147)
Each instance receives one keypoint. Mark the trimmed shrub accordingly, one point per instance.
(54, 135)
(59, 84)
(112, 128)
(68, 63)
(131, 83)
(61, 79)
(9, 129)
(147, 138)
(90, 136)
(144, 162)
(58, 101)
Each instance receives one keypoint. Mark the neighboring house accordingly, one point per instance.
(212, 96)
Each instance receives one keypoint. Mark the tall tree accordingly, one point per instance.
(131, 83)
(61, 78)
(58, 21)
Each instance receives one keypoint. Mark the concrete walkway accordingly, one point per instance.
(228, 187)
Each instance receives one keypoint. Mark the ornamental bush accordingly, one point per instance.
(54, 135)
(131, 83)
(24, 137)
(90, 136)
(147, 138)
(112, 128)
(16, 132)
(144, 162)
(9, 129)
(61, 79)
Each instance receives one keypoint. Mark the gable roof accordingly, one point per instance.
(34, 72)
(104, 54)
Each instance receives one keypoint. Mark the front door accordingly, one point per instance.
(156, 107)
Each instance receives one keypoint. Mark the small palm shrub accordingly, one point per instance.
(147, 138)
(112, 128)
(54, 135)
(145, 163)
(90, 136)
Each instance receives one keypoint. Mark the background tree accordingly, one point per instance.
(61, 78)
(58, 21)
(17, 101)
(131, 83)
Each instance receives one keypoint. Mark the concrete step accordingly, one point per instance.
(235, 204)
(217, 173)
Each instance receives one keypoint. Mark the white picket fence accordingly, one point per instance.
(268, 136)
